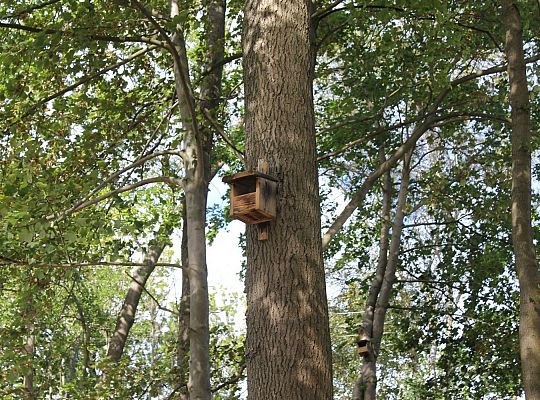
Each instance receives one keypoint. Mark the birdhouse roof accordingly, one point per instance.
(247, 174)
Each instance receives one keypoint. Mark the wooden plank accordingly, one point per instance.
(244, 203)
(363, 350)
(263, 231)
(266, 196)
(245, 174)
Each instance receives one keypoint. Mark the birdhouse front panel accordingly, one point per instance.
(253, 197)
(363, 347)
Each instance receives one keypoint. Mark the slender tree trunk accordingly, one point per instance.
(368, 373)
(522, 238)
(85, 344)
(198, 146)
(211, 84)
(390, 274)
(288, 353)
(195, 187)
(87, 357)
(182, 360)
(199, 363)
(367, 390)
(30, 349)
(126, 317)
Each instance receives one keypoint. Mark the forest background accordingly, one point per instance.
(118, 116)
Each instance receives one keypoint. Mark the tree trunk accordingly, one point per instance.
(29, 349)
(368, 371)
(210, 87)
(195, 188)
(288, 352)
(182, 361)
(198, 147)
(86, 369)
(368, 390)
(522, 238)
(126, 317)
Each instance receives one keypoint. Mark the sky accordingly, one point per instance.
(224, 258)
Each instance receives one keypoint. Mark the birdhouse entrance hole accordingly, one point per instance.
(363, 347)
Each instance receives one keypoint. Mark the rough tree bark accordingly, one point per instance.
(522, 237)
(288, 353)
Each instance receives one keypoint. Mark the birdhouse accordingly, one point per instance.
(253, 196)
(363, 346)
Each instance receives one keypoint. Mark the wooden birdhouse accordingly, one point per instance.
(363, 347)
(253, 196)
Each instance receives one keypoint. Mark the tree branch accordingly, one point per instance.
(320, 14)
(158, 304)
(30, 9)
(173, 182)
(177, 61)
(451, 117)
(360, 194)
(225, 138)
(221, 63)
(87, 264)
(115, 175)
(90, 36)
(231, 381)
(81, 82)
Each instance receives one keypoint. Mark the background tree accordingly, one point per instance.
(522, 236)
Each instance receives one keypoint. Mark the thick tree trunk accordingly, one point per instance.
(288, 353)
(126, 317)
(522, 238)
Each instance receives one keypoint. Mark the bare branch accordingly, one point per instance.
(215, 125)
(158, 304)
(133, 165)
